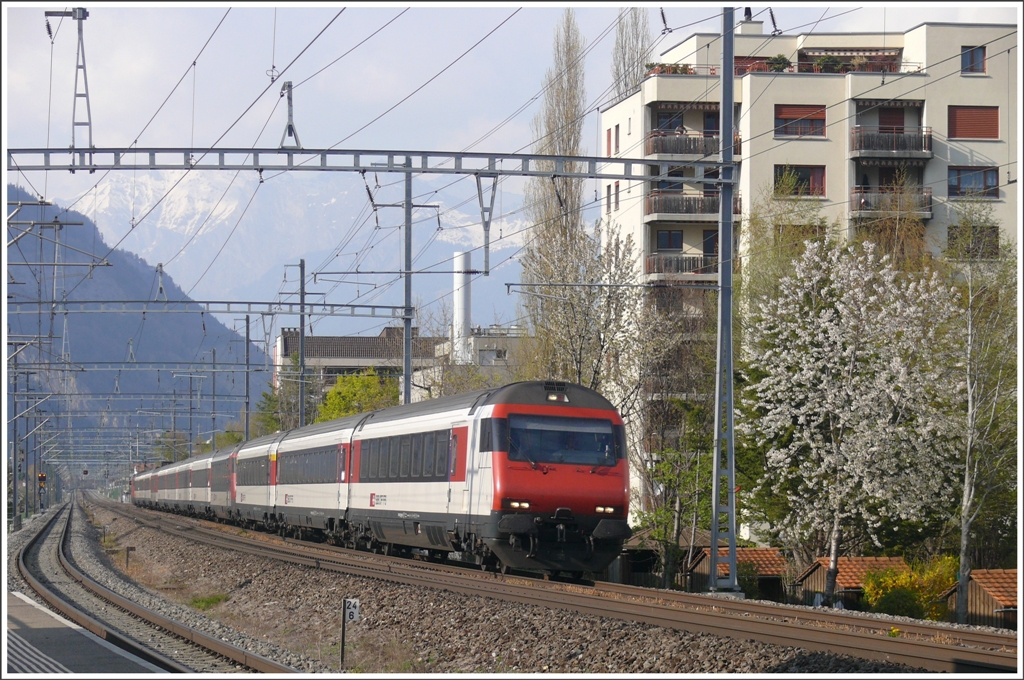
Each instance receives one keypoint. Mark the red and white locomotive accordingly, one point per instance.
(531, 475)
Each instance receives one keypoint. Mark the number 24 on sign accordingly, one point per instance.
(351, 610)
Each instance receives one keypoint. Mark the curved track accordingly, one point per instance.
(49, 570)
(923, 645)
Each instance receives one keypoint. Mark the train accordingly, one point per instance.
(528, 476)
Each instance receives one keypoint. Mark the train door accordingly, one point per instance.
(344, 467)
(458, 484)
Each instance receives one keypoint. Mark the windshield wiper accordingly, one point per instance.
(518, 449)
(607, 459)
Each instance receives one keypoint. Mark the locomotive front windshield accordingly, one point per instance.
(551, 439)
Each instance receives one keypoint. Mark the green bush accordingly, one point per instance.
(778, 63)
(746, 577)
(900, 602)
(926, 580)
(828, 63)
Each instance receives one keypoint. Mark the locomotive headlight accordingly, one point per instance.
(604, 510)
(516, 504)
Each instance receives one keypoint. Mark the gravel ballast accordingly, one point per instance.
(292, 613)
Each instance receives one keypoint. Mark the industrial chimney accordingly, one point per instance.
(461, 314)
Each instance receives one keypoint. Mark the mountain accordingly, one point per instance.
(118, 337)
(251, 230)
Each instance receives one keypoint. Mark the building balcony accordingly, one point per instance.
(676, 205)
(890, 142)
(678, 263)
(874, 203)
(686, 143)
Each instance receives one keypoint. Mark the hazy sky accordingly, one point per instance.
(136, 56)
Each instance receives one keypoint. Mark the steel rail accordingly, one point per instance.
(818, 616)
(248, 659)
(715, 618)
(84, 620)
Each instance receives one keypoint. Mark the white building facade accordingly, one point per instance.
(845, 114)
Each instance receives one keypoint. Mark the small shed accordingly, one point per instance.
(769, 562)
(849, 580)
(991, 598)
(640, 563)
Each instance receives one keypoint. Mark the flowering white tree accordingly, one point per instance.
(984, 420)
(841, 374)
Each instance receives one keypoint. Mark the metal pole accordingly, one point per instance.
(190, 416)
(407, 334)
(213, 416)
(724, 500)
(302, 343)
(16, 521)
(246, 377)
(174, 425)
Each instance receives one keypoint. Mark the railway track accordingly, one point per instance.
(49, 569)
(924, 645)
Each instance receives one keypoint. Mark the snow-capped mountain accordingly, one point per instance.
(250, 230)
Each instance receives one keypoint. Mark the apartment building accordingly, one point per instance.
(848, 113)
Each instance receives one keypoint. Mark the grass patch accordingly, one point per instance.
(204, 603)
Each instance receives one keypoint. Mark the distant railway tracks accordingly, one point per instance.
(925, 645)
(49, 569)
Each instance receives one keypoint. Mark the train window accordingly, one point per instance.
(385, 454)
(494, 434)
(417, 455)
(556, 439)
(428, 455)
(441, 454)
(370, 452)
(453, 453)
(403, 471)
(395, 458)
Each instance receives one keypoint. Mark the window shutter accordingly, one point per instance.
(974, 122)
(798, 111)
(890, 118)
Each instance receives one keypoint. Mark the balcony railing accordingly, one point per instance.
(874, 138)
(909, 200)
(793, 67)
(699, 143)
(680, 203)
(675, 263)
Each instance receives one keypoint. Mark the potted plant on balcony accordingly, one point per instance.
(778, 63)
(859, 63)
(828, 63)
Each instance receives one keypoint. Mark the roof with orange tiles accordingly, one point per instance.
(852, 569)
(769, 561)
(1001, 584)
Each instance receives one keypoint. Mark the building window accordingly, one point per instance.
(809, 180)
(972, 59)
(616, 138)
(799, 121)
(608, 198)
(676, 184)
(669, 120)
(975, 243)
(670, 239)
(973, 182)
(616, 195)
(973, 122)
(608, 143)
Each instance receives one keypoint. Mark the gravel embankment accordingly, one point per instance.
(292, 614)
